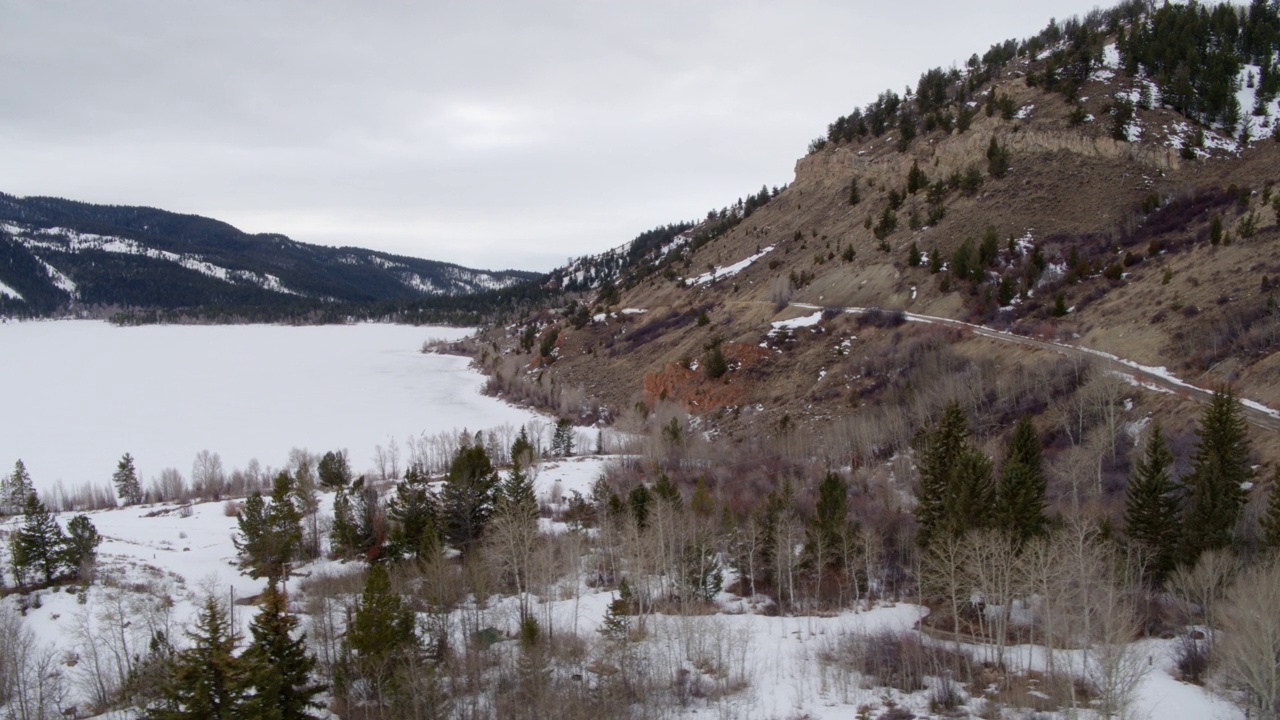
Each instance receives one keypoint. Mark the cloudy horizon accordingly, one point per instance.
(490, 134)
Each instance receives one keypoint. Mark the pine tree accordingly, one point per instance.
(916, 179)
(80, 549)
(348, 536)
(1215, 494)
(972, 498)
(208, 681)
(415, 516)
(270, 535)
(956, 493)
(516, 496)
(831, 514)
(278, 666)
(1020, 496)
(666, 491)
(468, 496)
(125, 478)
(38, 543)
(1270, 522)
(17, 486)
(997, 159)
(382, 635)
(562, 439)
(334, 471)
(522, 449)
(1151, 508)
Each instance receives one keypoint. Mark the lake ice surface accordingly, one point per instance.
(75, 395)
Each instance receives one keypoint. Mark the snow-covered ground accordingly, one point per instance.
(79, 394)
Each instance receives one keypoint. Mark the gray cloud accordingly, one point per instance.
(512, 134)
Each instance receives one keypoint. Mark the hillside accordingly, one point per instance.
(57, 254)
(1094, 213)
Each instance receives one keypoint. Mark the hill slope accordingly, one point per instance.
(55, 253)
(1057, 188)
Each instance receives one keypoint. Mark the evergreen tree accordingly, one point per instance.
(956, 492)
(831, 514)
(125, 478)
(270, 535)
(1151, 508)
(522, 450)
(382, 635)
(562, 439)
(207, 681)
(666, 491)
(80, 550)
(415, 516)
(1270, 522)
(334, 471)
(1215, 494)
(638, 500)
(17, 486)
(344, 538)
(701, 503)
(278, 666)
(913, 255)
(916, 178)
(854, 196)
(38, 544)
(997, 159)
(468, 496)
(972, 498)
(516, 497)
(1020, 496)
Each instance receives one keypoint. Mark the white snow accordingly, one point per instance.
(1111, 56)
(6, 291)
(1259, 127)
(1025, 112)
(79, 394)
(730, 270)
(796, 323)
(67, 240)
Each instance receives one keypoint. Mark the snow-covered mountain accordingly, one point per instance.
(55, 253)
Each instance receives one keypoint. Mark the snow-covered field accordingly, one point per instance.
(76, 395)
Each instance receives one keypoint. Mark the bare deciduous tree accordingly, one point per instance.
(1250, 645)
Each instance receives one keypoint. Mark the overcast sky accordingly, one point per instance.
(491, 134)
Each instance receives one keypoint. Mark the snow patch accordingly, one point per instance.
(721, 273)
(6, 291)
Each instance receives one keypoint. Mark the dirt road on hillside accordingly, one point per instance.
(1157, 379)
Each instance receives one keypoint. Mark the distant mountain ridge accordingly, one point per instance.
(56, 254)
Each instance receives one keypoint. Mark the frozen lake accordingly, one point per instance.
(76, 395)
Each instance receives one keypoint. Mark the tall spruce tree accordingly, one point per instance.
(415, 516)
(270, 535)
(1151, 509)
(382, 637)
(956, 491)
(277, 665)
(125, 478)
(1215, 493)
(1020, 496)
(468, 496)
(17, 486)
(38, 545)
(207, 680)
